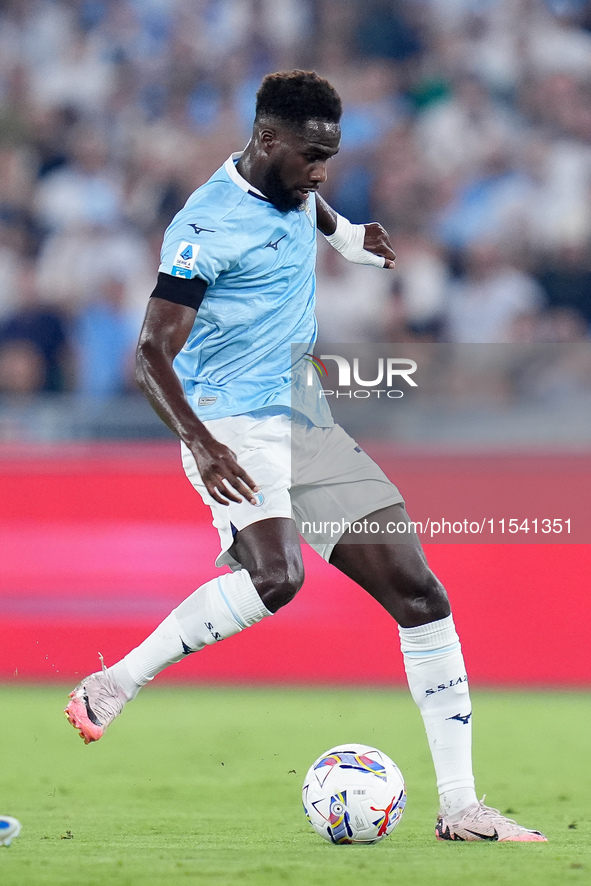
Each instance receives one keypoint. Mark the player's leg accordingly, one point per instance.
(395, 573)
(270, 552)
(398, 576)
(341, 486)
(271, 573)
(225, 605)
(260, 543)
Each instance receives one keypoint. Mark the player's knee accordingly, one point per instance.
(412, 593)
(425, 597)
(278, 583)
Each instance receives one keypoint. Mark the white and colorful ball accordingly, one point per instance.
(354, 794)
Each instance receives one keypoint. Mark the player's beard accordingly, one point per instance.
(274, 189)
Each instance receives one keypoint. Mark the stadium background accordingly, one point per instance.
(466, 132)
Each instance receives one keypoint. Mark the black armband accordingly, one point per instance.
(180, 290)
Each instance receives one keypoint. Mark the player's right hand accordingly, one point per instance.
(223, 477)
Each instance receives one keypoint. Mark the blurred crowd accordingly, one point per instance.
(466, 132)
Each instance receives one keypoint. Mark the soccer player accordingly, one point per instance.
(9, 829)
(235, 294)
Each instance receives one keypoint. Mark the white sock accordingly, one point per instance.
(218, 609)
(438, 683)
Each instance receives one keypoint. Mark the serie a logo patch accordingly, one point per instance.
(186, 256)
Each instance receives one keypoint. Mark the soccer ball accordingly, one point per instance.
(354, 794)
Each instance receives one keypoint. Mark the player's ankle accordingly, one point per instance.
(455, 802)
(125, 682)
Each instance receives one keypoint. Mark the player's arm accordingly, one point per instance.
(365, 244)
(166, 327)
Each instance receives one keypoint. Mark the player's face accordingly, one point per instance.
(297, 162)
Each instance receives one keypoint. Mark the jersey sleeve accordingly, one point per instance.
(204, 249)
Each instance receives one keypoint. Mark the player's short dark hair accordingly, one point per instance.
(295, 97)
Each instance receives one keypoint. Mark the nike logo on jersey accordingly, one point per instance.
(275, 244)
(198, 230)
(462, 719)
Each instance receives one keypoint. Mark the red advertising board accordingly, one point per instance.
(98, 543)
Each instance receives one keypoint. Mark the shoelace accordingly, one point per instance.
(106, 702)
(485, 812)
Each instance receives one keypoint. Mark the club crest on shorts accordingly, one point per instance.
(259, 499)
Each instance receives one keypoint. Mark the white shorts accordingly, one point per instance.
(310, 474)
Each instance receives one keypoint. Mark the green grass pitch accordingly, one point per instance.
(203, 786)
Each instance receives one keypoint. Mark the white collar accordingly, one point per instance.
(230, 167)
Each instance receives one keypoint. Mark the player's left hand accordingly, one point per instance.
(377, 241)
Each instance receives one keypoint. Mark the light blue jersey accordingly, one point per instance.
(259, 264)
